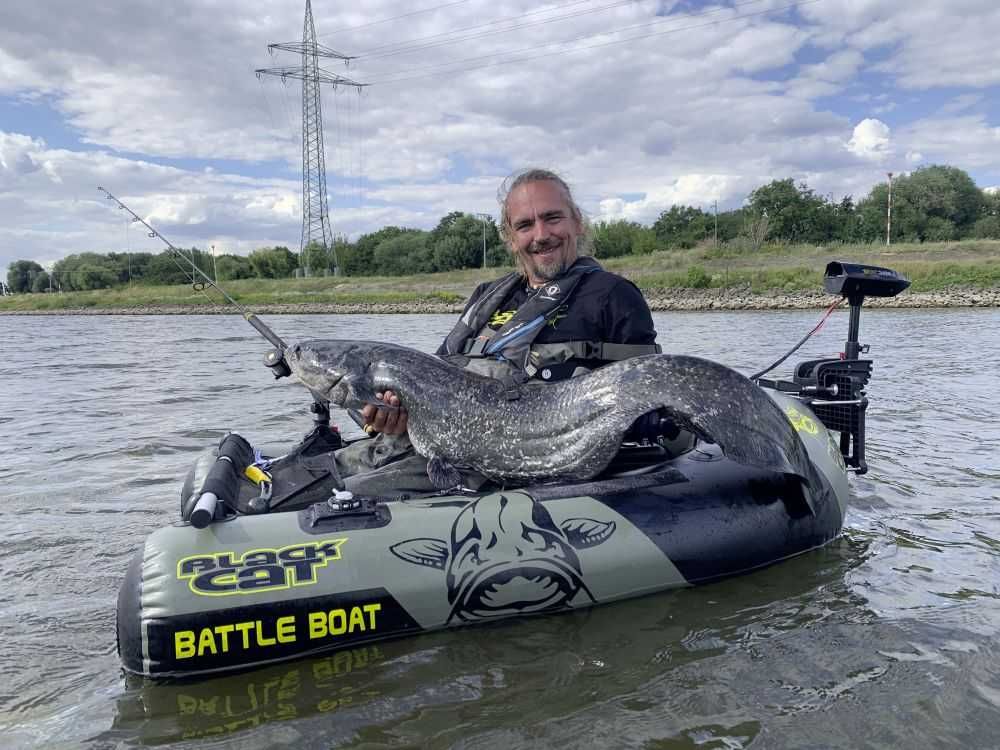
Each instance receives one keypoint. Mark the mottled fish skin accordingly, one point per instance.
(569, 430)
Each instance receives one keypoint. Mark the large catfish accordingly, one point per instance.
(569, 430)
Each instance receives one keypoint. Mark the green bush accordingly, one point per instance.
(698, 278)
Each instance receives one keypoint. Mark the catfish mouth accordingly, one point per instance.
(506, 588)
(323, 382)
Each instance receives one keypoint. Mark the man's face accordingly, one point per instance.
(543, 230)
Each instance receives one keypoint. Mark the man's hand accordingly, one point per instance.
(389, 421)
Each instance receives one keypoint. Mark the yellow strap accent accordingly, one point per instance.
(256, 475)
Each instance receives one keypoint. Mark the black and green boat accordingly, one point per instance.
(288, 566)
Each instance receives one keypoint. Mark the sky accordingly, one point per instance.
(640, 105)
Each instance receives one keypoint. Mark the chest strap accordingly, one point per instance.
(544, 354)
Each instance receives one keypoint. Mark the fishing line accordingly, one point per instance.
(804, 339)
(197, 284)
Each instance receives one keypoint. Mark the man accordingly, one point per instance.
(557, 315)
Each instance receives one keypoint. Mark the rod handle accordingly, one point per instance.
(204, 511)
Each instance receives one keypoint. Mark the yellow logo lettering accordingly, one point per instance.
(184, 644)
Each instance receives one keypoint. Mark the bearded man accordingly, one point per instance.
(557, 315)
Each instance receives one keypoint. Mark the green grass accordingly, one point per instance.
(972, 264)
(791, 268)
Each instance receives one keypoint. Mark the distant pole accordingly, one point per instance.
(888, 213)
(716, 222)
(483, 218)
(215, 265)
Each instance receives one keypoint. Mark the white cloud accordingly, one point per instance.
(870, 140)
(158, 101)
(699, 190)
(966, 140)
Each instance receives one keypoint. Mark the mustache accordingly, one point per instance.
(541, 246)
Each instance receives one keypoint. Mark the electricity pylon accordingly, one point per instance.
(315, 212)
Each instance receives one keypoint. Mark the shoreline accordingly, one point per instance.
(681, 300)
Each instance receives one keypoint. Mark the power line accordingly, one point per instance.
(645, 24)
(463, 66)
(411, 44)
(392, 18)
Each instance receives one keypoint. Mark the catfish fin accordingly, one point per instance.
(442, 473)
(362, 393)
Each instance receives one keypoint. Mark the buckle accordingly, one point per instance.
(476, 346)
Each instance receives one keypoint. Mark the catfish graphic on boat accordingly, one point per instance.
(569, 430)
(506, 556)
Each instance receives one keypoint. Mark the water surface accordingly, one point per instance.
(885, 638)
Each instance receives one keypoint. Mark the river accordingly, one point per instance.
(886, 638)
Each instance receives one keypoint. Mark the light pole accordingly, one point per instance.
(716, 222)
(215, 266)
(483, 218)
(888, 213)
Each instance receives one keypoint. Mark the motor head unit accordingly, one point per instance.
(853, 279)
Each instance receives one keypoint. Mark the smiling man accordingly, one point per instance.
(558, 315)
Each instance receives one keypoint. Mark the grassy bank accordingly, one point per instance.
(788, 269)
(932, 267)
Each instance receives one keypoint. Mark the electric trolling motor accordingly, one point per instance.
(834, 388)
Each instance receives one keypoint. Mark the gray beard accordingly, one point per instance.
(546, 272)
(550, 271)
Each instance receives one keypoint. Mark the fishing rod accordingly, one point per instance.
(236, 455)
(274, 359)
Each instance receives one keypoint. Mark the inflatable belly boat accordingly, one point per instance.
(289, 566)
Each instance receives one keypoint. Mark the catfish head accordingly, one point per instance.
(334, 370)
(505, 555)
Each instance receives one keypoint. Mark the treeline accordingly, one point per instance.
(458, 241)
(932, 204)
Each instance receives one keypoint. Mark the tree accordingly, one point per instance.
(730, 224)
(945, 193)
(89, 276)
(683, 226)
(644, 241)
(273, 262)
(444, 226)
(316, 259)
(449, 253)
(756, 229)
(361, 261)
(41, 282)
(987, 226)
(404, 254)
(794, 213)
(21, 275)
(84, 271)
(612, 239)
(340, 253)
(167, 269)
(234, 267)
(460, 237)
(934, 203)
(846, 221)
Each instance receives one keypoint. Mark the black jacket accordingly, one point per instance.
(603, 308)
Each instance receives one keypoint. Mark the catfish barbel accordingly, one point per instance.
(568, 430)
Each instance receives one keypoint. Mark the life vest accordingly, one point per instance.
(510, 351)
